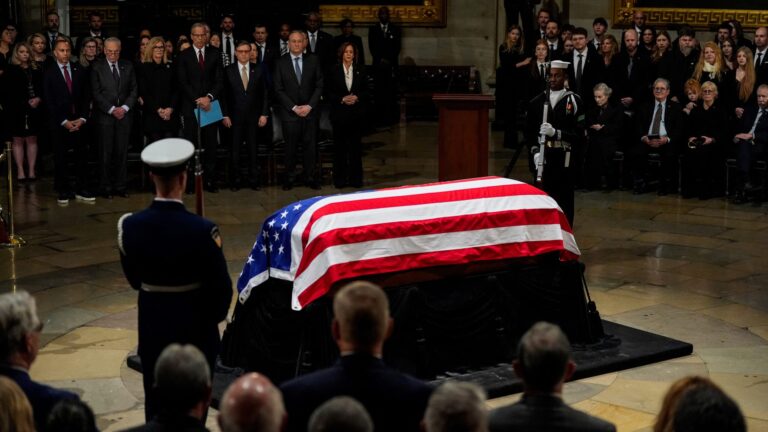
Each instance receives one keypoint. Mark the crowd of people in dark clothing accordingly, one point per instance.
(104, 98)
(681, 105)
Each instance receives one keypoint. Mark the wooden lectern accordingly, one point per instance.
(463, 135)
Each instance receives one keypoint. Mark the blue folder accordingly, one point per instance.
(211, 116)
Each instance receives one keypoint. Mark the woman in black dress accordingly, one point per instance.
(604, 125)
(706, 137)
(512, 59)
(157, 92)
(348, 95)
(24, 81)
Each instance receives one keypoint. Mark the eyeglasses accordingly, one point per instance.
(707, 91)
(659, 89)
(198, 34)
(106, 51)
(159, 47)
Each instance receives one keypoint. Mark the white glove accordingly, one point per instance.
(547, 129)
(537, 159)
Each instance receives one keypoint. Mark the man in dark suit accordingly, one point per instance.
(267, 52)
(65, 90)
(586, 68)
(245, 110)
(385, 41)
(51, 30)
(183, 390)
(659, 130)
(252, 403)
(95, 22)
(544, 364)
(280, 43)
(20, 330)
(319, 42)
(228, 40)
(174, 259)
(752, 143)
(298, 86)
(347, 28)
(361, 324)
(113, 83)
(553, 40)
(201, 80)
(761, 55)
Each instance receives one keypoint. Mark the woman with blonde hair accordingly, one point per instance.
(711, 67)
(157, 92)
(24, 81)
(88, 52)
(512, 60)
(706, 132)
(15, 410)
(38, 42)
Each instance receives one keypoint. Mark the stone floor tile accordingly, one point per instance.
(745, 360)
(739, 315)
(90, 337)
(61, 364)
(105, 395)
(625, 419)
(748, 390)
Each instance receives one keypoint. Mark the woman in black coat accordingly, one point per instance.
(347, 93)
(512, 60)
(157, 92)
(706, 137)
(604, 124)
(24, 83)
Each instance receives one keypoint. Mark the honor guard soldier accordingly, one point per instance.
(174, 259)
(555, 132)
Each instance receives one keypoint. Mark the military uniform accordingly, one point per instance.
(174, 259)
(567, 117)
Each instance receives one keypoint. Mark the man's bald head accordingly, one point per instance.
(252, 402)
(361, 311)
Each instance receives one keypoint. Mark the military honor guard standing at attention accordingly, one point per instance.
(174, 259)
(557, 137)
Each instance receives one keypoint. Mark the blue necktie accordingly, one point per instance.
(297, 67)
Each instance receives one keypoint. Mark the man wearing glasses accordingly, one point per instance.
(659, 128)
(200, 76)
(20, 330)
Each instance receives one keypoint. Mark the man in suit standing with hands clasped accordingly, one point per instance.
(298, 86)
(113, 82)
(245, 110)
(201, 82)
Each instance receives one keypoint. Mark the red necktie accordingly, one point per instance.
(200, 60)
(67, 78)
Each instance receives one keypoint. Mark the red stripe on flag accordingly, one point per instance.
(355, 269)
(467, 222)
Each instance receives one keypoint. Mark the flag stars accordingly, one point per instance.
(284, 214)
(271, 223)
(281, 249)
(265, 234)
(284, 226)
(250, 259)
(263, 249)
(276, 236)
(296, 207)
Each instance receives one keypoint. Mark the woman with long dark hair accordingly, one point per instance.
(348, 94)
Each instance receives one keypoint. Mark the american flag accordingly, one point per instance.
(318, 241)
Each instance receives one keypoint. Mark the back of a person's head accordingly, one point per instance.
(362, 311)
(706, 408)
(252, 403)
(18, 318)
(182, 378)
(543, 355)
(71, 415)
(341, 414)
(456, 407)
(15, 410)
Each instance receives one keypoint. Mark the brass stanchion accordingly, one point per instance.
(14, 240)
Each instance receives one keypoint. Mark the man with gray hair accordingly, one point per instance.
(182, 389)
(252, 403)
(340, 414)
(544, 364)
(20, 330)
(456, 406)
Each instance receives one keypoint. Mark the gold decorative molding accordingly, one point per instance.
(191, 13)
(78, 15)
(431, 13)
(700, 19)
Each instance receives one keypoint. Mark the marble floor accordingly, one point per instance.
(688, 269)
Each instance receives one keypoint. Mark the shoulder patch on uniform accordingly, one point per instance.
(216, 236)
(120, 232)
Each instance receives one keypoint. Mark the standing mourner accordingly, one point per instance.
(174, 259)
(158, 92)
(559, 136)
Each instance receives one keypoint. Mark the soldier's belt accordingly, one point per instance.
(169, 289)
(558, 144)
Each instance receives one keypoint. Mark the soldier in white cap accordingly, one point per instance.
(558, 138)
(174, 259)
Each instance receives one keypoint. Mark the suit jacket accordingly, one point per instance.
(60, 103)
(544, 413)
(323, 49)
(158, 89)
(748, 120)
(395, 401)
(271, 53)
(244, 104)
(194, 82)
(593, 72)
(289, 92)
(171, 424)
(385, 46)
(107, 93)
(336, 89)
(42, 397)
(635, 84)
(673, 121)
